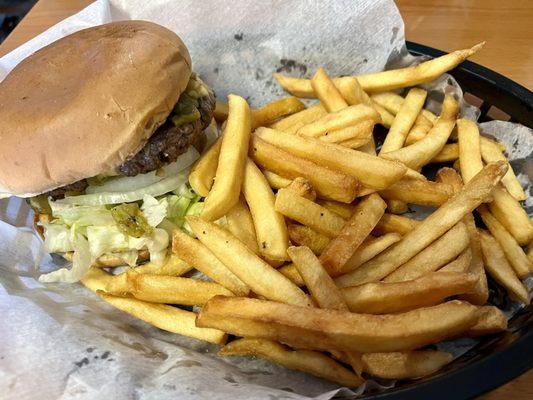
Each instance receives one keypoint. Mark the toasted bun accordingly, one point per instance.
(82, 105)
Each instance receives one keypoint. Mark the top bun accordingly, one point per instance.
(82, 105)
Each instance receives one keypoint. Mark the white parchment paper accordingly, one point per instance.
(59, 341)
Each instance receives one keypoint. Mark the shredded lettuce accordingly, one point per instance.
(81, 215)
(57, 238)
(154, 210)
(177, 206)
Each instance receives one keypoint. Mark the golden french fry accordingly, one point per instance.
(252, 270)
(390, 223)
(392, 102)
(308, 213)
(295, 121)
(368, 148)
(221, 111)
(389, 80)
(316, 278)
(328, 183)
(405, 365)
(96, 279)
(419, 131)
(397, 207)
(173, 289)
(490, 320)
(172, 266)
(387, 119)
(404, 120)
(499, 268)
(373, 172)
(203, 171)
(304, 236)
(351, 91)
(418, 154)
(491, 152)
(460, 264)
(274, 110)
(434, 226)
(370, 248)
(344, 118)
(326, 92)
(449, 153)
(439, 253)
(364, 218)
(514, 253)
(230, 170)
(292, 273)
(168, 318)
(198, 255)
(269, 225)
(392, 297)
(312, 362)
(343, 209)
(276, 181)
(241, 224)
(313, 328)
(511, 215)
(469, 148)
(304, 188)
(416, 191)
(358, 134)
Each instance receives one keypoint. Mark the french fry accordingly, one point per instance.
(392, 102)
(269, 225)
(512, 216)
(404, 120)
(370, 248)
(205, 261)
(316, 278)
(405, 365)
(303, 188)
(368, 148)
(357, 135)
(230, 170)
(490, 152)
(449, 153)
(241, 224)
(295, 121)
(387, 119)
(390, 223)
(328, 184)
(469, 149)
(530, 252)
(221, 111)
(312, 328)
(351, 91)
(460, 264)
(342, 209)
(292, 273)
(373, 172)
(418, 154)
(439, 253)
(389, 80)
(419, 131)
(499, 268)
(312, 362)
(416, 191)
(490, 320)
(392, 297)
(434, 226)
(253, 271)
(513, 252)
(304, 236)
(276, 181)
(173, 289)
(274, 110)
(364, 218)
(326, 92)
(96, 279)
(308, 213)
(397, 207)
(344, 118)
(165, 317)
(203, 171)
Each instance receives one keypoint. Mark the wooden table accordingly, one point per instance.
(443, 24)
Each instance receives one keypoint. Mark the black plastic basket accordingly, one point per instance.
(498, 358)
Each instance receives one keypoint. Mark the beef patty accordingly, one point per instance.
(163, 147)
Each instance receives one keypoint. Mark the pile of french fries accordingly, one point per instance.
(313, 267)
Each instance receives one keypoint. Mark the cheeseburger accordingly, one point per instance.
(98, 132)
